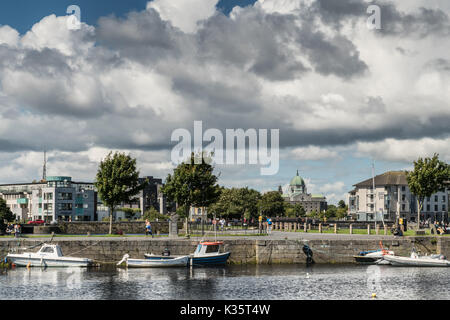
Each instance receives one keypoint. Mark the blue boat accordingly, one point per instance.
(208, 253)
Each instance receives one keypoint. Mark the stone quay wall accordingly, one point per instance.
(243, 251)
(132, 227)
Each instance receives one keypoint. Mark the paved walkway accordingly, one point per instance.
(275, 235)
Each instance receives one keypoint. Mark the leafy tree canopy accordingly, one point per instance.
(237, 203)
(192, 183)
(117, 180)
(272, 204)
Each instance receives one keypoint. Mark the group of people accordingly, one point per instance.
(16, 229)
(441, 228)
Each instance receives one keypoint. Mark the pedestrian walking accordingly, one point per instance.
(16, 231)
(148, 228)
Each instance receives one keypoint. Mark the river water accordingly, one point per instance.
(275, 282)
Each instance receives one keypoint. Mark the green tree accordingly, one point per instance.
(294, 210)
(130, 213)
(314, 214)
(237, 203)
(342, 204)
(117, 181)
(341, 213)
(272, 204)
(429, 176)
(5, 214)
(331, 211)
(192, 184)
(152, 214)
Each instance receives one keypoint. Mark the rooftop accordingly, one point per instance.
(390, 178)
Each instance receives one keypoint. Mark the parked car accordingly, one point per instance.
(36, 222)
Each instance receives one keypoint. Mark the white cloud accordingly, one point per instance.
(313, 153)
(53, 32)
(184, 14)
(9, 36)
(405, 150)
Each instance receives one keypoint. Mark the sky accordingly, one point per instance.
(342, 95)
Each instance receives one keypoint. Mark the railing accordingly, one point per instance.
(229, 228)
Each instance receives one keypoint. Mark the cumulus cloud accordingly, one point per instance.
(313, 153)
(405, 150)
(310, 68)
(184, 14)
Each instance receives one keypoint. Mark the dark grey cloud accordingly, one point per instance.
(336, 56)
(441, 65)
(142, 36)
(253, 46)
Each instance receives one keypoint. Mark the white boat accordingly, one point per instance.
(415, 260)
(49, 255)
(155, 262)
(373, 257)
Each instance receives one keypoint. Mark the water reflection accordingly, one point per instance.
(289, 282)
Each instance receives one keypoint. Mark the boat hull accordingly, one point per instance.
(419, 262)
(21, 261)
(366, 260)
(167, 262)
(218, 259)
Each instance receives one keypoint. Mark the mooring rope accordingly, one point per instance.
(85, 248)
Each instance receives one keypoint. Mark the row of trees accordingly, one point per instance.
(194, 184)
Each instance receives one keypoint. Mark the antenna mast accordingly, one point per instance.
(44, 169)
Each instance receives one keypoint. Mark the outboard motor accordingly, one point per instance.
(309, 254)
(166, 252)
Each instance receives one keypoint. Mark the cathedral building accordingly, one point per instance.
(297, 193)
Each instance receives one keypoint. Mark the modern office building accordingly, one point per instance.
(297, 193)
(392, 198)
(57, 198)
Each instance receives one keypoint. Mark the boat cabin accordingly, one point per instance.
(50, 250)
(207, 248)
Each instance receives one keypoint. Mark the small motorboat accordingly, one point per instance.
(435, 260)
(208, 253)
(155, 261)
(49, 255)
(372, 257)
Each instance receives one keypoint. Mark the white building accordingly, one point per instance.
(392, 198)
(57, 198)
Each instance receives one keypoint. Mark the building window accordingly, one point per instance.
(436, 207)
(403, 207)
(65, 206)
(48, 196)
(443, 198)
(64, 196)
(428, 207)
(436, 199)
(443, 207)
(403, 197)
(403, 188)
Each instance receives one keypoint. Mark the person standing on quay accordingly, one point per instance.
(269, 225)
(148, 228)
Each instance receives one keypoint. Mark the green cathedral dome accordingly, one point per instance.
(297, 181)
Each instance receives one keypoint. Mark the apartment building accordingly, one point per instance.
(392, 198)
(57, 198)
